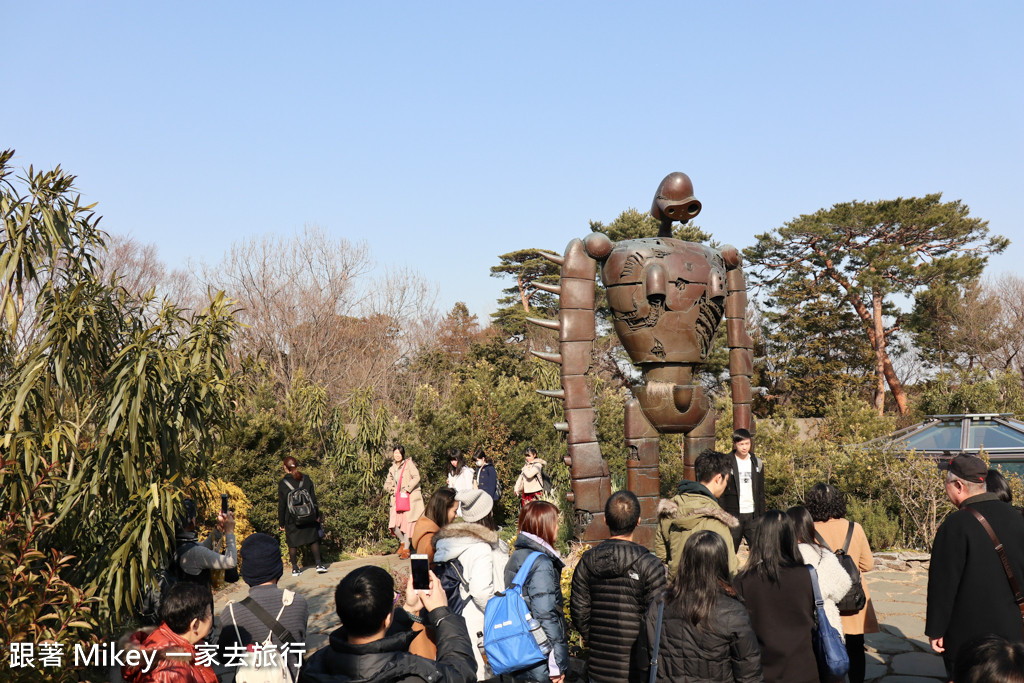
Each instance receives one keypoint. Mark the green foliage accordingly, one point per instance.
(815, 345)
(861, 256)
(973, 392)
(527, 267)
(898, 498)
(882, 530)
(632, 224)
(40, 604)
(250, 455)
(124, 393)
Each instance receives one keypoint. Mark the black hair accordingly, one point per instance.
(702, 574)
(364, 599)
(825, 502)
(400, 448)
(455, 454)
(709, 463)
(529, 450)
(990, 659)
(479, 453)
(772, 547)
(622, 513)
(184, 602)
(803, 524)
(439, 504)
(488, 521)
(188, 515)
(741, 435)
(996, 483)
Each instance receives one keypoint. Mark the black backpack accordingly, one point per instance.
(300, 504)
(451, 576)
(855, 599)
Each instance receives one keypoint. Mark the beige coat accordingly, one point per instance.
(530, 479)
(834, 533)
(410, 484)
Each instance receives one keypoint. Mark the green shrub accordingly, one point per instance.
(881, 529)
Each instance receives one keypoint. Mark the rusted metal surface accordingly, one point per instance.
(668, 299)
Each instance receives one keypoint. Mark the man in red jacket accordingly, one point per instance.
(169, 653)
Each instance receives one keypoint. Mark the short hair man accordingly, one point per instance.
(612, 587)
(373, 641)
(744, 494)
(244, 623)
(968, 591)
(169, 651)
(696, 508)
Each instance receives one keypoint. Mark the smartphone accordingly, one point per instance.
(420, 572)
(224, 503)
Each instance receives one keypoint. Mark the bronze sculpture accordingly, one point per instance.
(667, 299)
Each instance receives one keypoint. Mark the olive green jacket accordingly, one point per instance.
(694, 509)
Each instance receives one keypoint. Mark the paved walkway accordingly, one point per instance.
(898, 654)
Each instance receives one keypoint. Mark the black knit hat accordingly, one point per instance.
(261, 559)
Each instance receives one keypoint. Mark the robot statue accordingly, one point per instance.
(667, 299)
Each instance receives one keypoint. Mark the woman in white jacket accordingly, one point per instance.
(475, 544)
(833, 580)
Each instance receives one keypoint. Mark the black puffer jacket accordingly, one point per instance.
(726, 652)
(388, 660)
(612, 587)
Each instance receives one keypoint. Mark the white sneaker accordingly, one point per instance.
(320, 569)
(296, 572)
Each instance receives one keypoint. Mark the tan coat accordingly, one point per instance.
(411, 485)
(834, 533)
(530, 479)
(423, 537)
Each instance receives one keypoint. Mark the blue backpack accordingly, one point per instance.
(513, 639)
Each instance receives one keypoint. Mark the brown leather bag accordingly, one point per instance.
(1014, 587)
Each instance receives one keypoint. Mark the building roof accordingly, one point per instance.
(1000, 435)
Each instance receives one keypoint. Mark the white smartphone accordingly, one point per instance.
(420, 572)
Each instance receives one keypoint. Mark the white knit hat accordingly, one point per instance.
(476, 504)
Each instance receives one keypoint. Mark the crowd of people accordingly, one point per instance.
(689, 611)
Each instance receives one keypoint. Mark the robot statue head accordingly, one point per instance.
(674, 201)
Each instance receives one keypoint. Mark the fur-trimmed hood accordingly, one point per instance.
(455, 539)
(475, 532)
(686, 509)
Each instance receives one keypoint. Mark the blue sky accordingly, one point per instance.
(445, 134)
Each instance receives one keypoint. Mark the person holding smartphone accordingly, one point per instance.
(193, 559)
(373, 644)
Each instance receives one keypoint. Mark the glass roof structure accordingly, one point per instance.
(1000, 435)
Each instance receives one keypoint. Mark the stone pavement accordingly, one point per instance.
(898, 654)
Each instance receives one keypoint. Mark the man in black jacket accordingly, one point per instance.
(969, 594)
(612, 587)
(373, 643)
(744, 492)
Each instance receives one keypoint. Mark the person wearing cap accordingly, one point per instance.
(969, 594)
(475, 544)
(262, 567)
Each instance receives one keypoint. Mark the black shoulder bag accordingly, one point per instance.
(855, 598)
